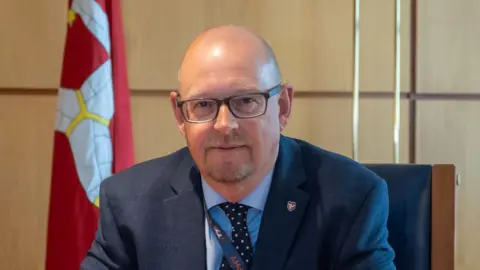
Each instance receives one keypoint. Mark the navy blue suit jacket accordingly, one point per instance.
(152, 215)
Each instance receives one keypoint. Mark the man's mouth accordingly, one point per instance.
(227, 147)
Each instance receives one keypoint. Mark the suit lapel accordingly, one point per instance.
(185, 233)
(284, 209)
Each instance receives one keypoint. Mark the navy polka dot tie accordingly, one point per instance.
(237, 214)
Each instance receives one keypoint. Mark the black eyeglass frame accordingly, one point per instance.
(270, 92)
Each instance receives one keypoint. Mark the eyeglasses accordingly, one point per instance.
(242, 106)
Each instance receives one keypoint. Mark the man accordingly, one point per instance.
(273, 202)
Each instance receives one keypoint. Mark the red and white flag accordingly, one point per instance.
(93, 133)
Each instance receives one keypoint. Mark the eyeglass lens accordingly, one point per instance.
(244, 106)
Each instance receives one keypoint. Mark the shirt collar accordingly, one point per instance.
(256, 199)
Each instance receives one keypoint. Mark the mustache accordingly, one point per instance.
(233, 140)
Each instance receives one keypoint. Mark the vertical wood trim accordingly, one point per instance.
(413, 83)
(443, 217)
(412, 132)
(413, 46)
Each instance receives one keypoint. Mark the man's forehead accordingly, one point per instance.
(217, 63)
(222, 61)
(229, 80)
(217, 88)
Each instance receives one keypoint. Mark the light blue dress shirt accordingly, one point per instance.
(256, 200)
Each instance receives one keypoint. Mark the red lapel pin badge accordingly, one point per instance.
(291, 206)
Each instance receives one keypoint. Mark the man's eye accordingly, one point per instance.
(247, 100)
(203, 104)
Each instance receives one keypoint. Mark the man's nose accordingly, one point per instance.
(226, 121)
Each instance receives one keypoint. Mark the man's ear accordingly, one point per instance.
(177, 112)
(285, 105)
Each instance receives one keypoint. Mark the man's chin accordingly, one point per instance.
(228, 159)
(228, 173)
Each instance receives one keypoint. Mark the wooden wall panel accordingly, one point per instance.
(328, 124)
(377, 45)
(313, 40)
(449, 132)
(31, 42)
(27, 124)
(155, 130)
(448, 42)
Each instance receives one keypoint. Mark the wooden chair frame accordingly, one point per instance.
(444, 183)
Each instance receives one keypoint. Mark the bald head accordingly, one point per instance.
(232, 55)
(235, 144)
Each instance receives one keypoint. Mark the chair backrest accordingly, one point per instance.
(420, 231)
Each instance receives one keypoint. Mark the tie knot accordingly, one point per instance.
(234, 209)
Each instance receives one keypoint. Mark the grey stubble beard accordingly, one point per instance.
(231, 173)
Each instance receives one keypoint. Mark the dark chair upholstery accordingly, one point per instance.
(409, 221)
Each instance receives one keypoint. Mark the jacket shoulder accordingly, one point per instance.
(339, 172)
(136, 180)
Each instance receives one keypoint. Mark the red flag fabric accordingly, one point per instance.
(93, 133)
